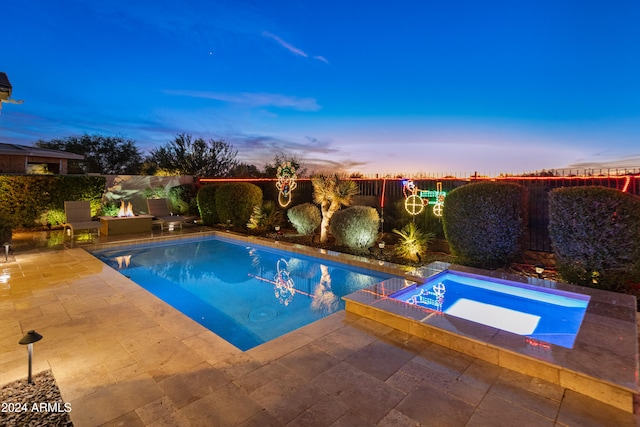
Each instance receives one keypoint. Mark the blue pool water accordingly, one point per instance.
(247, 295)
(548, 315)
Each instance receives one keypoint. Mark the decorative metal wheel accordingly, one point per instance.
(414, 204)
(437, 209)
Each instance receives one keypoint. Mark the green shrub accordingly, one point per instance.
(6, 229)
(265, 217)
(206, 198)
(305, 218)
(412, 242)
(157, 192)
(595, 233)
(110, 209)
(483, 222)
(235, 202)
(55, 217)
(25, 200)
(180, 198)
(355, 227)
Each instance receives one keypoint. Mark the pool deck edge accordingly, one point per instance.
(597, 367)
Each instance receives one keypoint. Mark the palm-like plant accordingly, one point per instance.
(331, 193)
(264, 217)
(413, 243)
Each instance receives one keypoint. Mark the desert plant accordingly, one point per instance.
(235, 202)
(412, 242)
(331, 193)
(594, 234)
(305, 218)
(265, 217)
(355, 227)
(206, 198)
(483, 222)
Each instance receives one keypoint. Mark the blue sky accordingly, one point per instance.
(374, 87)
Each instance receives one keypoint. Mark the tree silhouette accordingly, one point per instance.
(106, 155)
(184, 156)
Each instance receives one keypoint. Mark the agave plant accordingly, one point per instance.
(413, 243)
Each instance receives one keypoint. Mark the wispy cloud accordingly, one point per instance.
(259, 99)
(291, 48)
(628, 162)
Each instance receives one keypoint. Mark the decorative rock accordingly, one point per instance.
(37, 404)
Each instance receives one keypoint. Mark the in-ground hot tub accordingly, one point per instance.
(544, 314)
(601, 362)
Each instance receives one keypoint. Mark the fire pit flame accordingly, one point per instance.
(125, 210)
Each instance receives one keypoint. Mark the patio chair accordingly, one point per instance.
(161, 214)
(78, 215)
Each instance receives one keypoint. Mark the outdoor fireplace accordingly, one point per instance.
(126, 222)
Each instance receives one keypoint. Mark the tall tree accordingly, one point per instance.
(331, 193)
(184, 156)
(107, 155)
(270, 169)
(246, 170)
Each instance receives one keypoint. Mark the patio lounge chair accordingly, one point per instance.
(161, 215)
(79, 217)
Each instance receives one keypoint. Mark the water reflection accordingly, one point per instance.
(325, 300)
(284, 286)
(432, 298)
(208, 263)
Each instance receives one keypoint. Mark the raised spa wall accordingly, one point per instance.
(603, 364)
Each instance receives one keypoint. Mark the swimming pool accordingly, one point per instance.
(247, 294)
(547, 315)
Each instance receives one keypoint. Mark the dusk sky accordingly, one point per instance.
(372, 87)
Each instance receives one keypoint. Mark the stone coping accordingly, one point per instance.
(603, 363)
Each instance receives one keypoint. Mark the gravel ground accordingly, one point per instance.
(37, 404)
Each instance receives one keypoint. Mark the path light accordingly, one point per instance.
(6, 251)
(539, 270)
(28, 340)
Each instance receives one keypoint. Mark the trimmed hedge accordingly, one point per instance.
(305, 218)
(483, 222)
(355, 227)
(235, 202)
(206, 198)
(595, 235)
(25, 200)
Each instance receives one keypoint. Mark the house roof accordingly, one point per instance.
(24, 150)
(5, 86)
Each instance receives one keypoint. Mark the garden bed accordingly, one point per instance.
(524, 266)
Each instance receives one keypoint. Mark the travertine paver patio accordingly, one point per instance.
(123, 357)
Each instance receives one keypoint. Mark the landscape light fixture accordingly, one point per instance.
(28, 340)
(6, 251)
(539, 270)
